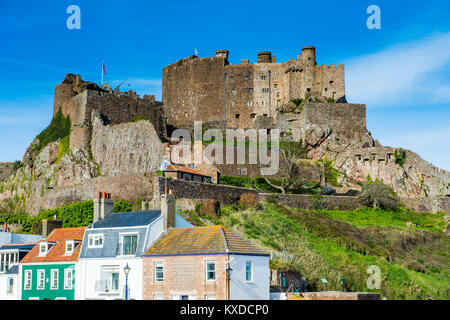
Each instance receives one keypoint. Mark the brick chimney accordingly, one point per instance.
(103, 205)
(49, 225)
(168, 209)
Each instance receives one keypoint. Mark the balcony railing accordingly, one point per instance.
(126, 250)
(106, 286)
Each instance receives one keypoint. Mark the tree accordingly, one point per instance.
(376, 194)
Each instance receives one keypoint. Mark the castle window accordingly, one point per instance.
(275, 85)
(265, 115)
(237, 115)
(233, 91)
(262, 103)
(253, 115)
(326, 89)
(309, 89)
(331, 82)
(246, 78)
(250, 90)
(263, 77)
(233, 103)
(278, 94)
(242, 171)
(250, 103)
(231, 79)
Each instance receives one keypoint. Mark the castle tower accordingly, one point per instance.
(222, 53)
(309, 62)
(264, 57)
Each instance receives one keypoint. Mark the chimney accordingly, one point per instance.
(49, 225)
(103, 205)
(168, 210)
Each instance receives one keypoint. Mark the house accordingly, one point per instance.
(10, 256)
(49, 270)
(114, 244)
(185, 172)
(9, 237)
(203, 263)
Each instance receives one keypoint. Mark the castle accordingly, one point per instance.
(244, 95)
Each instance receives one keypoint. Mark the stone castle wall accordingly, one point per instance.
(6, 170)
(126, 148)
(211, 89)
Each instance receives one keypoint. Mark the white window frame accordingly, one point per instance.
(210, 297)
(70, 252)
(60, 298)
(251, 271)
(156, 264)
(41, 246)
(158, 297)
(95, 237)
(68, 271)
(52, 274)
(38, 279)
(28, 278)
(250, 103)
(9, 287)
(207, 270)
(121, 235)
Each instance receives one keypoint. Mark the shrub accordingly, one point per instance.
(400, 157)
(58, 128)
(17, 165)
(318, 201)
(63, 148)
(122, 206)
(249, 200)
(244, 182)
(376, 194)
(331, 100)
(331, 174)
(208, 208)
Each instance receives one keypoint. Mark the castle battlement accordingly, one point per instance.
(213, 90)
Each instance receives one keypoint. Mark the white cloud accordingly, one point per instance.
(406, 74)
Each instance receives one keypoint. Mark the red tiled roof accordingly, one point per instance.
(172, 167)
(57, 253)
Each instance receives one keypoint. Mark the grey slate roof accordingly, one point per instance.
(20, 246)
(112, 227)
(127, 219)
(13, 270)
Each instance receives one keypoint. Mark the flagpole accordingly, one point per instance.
(102, 72)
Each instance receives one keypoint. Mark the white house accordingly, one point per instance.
(113, 245)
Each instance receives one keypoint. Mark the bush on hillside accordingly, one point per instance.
(376, 194)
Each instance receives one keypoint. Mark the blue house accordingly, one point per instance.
(112, 249)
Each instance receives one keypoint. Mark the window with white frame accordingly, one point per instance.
(158, 297)
(41, 279)
(263, 77)
(68, 279)
(233, 91)
(265, 90)
(54, 279)
(128, 244)
(95, 241)
(250, 103)
(27, 281)
(43, 248)
(159, 272)
(248, 271)
(10, 285)
(210, 270)
(70, 245)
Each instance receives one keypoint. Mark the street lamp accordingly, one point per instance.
(127, 270)
(228, 271)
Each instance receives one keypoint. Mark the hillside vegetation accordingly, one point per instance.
(414, 261)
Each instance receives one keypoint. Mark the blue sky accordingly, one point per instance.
(401, 71)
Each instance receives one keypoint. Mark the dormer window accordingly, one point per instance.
(71, 246)
(45, 247)
(95, 241)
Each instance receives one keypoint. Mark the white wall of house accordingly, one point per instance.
(258, 288)
(93, 284)
(15, 294)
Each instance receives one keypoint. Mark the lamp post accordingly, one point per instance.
(127, 270)
(343, 283)
(228, 271)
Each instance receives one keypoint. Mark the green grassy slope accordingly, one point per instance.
(414, 261)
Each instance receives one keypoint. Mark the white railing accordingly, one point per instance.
(105, 286)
